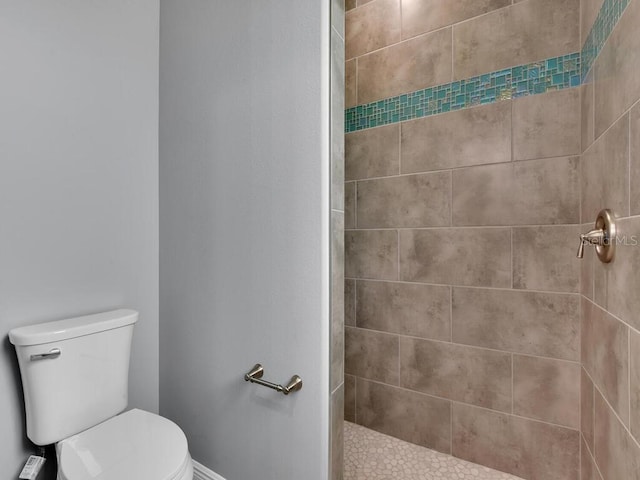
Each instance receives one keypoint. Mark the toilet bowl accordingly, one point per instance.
(75, 381)
(133, 445)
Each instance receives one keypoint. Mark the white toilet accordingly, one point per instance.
(75, 379)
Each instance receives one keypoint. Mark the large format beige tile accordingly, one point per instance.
(404, 308)
(587, 115)
(544, 258)
(457, 256)
(588, 469)
(420, 16)
(545, 324)
(547, 125)
(467, 137)
(587, 266)
(371, 254)
(350, 89)
(547, 389)
(617, 83)
(409, 201)
(350, 205)
(525, 32)
(617, 455)
(527, 448)
(605, 355)
(456, 372)
(410, 416)
(337, 433)
(605, 173)
(349, 4)
(337, 299)
(418, 63)
(350, 302)
(371, 355)
(634, 378)
(337, 120)
(634, 167)
(373, 152)
(586, 408)
(350, 398)
(371, 27)
(518, 193)
(622, 277)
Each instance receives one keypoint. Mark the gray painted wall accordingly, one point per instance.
(244, 237)
(78, 180)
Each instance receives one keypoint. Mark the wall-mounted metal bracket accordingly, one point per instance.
(255, 376)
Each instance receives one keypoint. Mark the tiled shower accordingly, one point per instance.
(482, 138)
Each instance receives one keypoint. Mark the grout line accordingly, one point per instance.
(635, 329)
(629, 375)
(612, 410)
(470, 287)
(458, 402)
(458, 344)
(629, 166)
(454, 168)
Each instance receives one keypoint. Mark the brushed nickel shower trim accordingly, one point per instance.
(255, 376)
(603, 237)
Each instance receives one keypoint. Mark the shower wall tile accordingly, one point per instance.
(547, 389)
(337, 299)
(457, 256)
(371, 254)
(371, 27)
(634, 168)
(544, 258)
(350, 92)
(586, 408)
(337, 433)
(349, 4)
(547, 125)
(587, 115)
(457, 372)
(350, 398)
(350, 302)
(605, 356)
(414, 64)
(544, 324)
(620, 281)
(518, 193)
(526, 32)
(588, 468)
(372, 355)
(587, 267)
(410, 416)
(403, 308)
(372, 153)
(617, 455)
(605, 173)
(617, 83)
(634, 385)
(421, 16)
(407, 201)
(338, 16)
(527, 448)
(350, 205)
(473, 136)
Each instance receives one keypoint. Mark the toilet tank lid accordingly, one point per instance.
(72, 327)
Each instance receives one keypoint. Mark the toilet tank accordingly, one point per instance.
(82, 386)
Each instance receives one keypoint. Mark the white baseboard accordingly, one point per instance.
(200, 472)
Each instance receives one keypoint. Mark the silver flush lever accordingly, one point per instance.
(54, 353)
(594, 237)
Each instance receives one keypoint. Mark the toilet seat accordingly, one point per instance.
(134, 445)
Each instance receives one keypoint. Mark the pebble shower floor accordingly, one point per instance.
(369, 455)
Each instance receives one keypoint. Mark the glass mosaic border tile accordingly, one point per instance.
(534, 78)
(608, 17)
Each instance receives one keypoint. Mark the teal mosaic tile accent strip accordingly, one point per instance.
(608, 17)
(534, 78)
